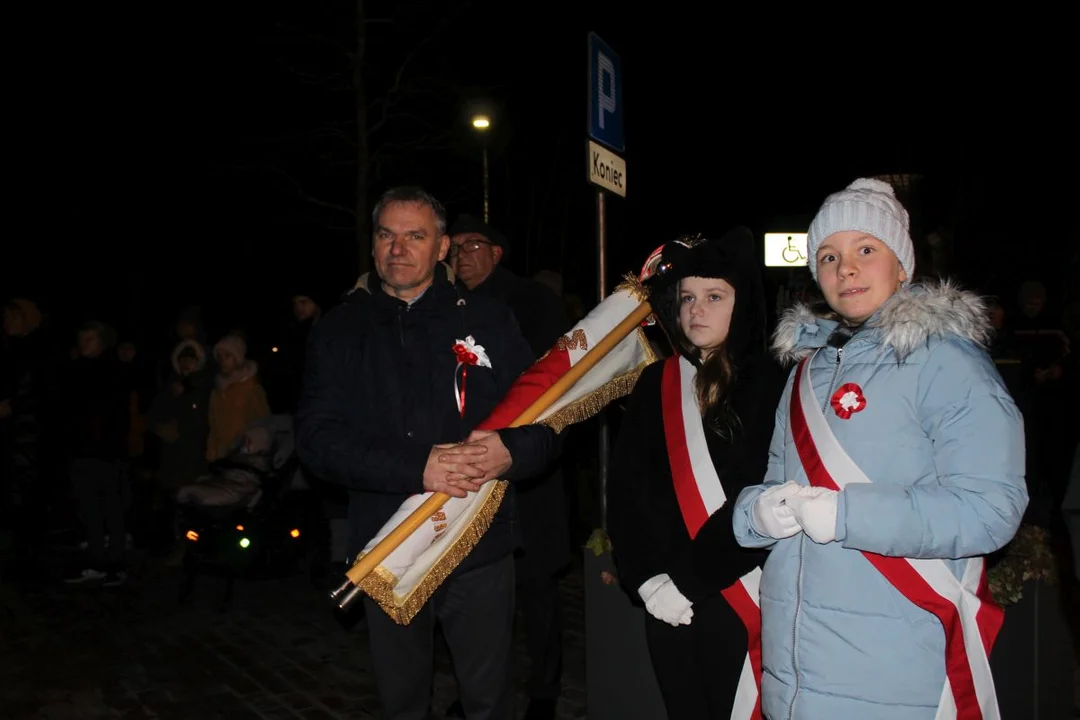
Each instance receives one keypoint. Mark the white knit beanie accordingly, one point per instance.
(869, 206)
(232, 345)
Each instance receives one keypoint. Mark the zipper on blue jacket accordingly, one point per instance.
(836, 373)
(802, 545)
(795, 629)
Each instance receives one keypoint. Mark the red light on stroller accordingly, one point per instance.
(192, 536)
(294, 533)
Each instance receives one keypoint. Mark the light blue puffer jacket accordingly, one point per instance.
(943, 445)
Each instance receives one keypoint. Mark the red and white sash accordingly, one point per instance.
(700, 494)
(697, 486)
(743, 598)
(968, 615)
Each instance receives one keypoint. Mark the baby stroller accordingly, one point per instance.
(248, 515)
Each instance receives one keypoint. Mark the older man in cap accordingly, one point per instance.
(477, 251)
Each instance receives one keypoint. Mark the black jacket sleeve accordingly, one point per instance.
(639, 542)
(532, 448)
(330, 442)
(716, 560)
(645, 523)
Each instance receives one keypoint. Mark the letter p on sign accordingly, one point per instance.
(605, 85)
(605, 124)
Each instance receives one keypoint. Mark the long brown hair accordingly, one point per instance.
(714, 385)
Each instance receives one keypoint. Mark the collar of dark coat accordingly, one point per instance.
(906, 321)
(500, 283)
(369, 283)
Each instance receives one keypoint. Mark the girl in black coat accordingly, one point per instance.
(696, 431)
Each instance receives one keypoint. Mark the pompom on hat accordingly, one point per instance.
(870, 206)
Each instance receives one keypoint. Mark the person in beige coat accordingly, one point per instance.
(238, 398)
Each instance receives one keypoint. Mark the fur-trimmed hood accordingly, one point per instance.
(905, 322)
(197, 347)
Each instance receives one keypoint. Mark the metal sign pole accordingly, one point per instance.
(601, 266)
(607, 170)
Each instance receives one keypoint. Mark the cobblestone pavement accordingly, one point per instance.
(278, 652)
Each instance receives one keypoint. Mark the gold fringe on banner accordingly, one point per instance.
(619, 386)
(380, 584)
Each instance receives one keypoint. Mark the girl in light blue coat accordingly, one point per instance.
(899, 465)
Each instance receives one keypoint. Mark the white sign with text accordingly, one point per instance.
(607, 169)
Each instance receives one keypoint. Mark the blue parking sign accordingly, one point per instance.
(605, 95)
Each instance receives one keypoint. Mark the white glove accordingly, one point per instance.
(771, 516)
(815, 510)
(664, 601)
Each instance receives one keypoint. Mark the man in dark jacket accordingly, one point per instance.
(96, 420)
(25, 380)
(376, 404)
(476, 253)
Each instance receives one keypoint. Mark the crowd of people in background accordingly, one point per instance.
(108, 429)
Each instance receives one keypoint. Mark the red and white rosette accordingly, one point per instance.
(468, 353)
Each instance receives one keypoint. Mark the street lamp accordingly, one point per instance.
(481, 123)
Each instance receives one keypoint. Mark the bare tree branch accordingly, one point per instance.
(319, 39)
(394, 93)
(318, 221)
(317, 80)
(297, 188)
(387, 118)
(335, 133)
(429, 142)
(394, 127)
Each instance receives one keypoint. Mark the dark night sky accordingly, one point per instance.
(164, 152)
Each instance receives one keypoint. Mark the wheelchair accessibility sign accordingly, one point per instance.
(785, 250)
